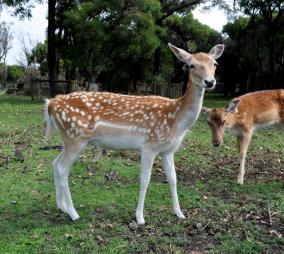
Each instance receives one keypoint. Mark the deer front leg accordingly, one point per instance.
(62, 167)
(169, 168)
(243, 142)
(147, 160)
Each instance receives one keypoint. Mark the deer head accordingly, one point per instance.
(220, 118)
(202, 66)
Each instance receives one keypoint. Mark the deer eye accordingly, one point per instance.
(209, 123)
(215, 64)
(223, 122)
(191, 66)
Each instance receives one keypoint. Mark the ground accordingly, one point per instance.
(221, 216)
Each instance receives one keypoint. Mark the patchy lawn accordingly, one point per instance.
(221, 216)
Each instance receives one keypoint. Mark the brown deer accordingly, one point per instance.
(243, 116)
(151, 124)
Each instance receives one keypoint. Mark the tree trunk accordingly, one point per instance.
(157, 61)
(157, 54)
(52, 68)
(93, 86)
(271, 64)
(4, 84)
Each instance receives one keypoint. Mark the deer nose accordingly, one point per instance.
(210, 83)
(216, 142)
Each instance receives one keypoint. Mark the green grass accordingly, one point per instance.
(221, 216)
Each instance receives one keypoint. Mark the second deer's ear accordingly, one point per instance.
(181, 54)
(233, 106)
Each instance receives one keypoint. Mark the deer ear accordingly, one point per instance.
(206, 110)
(217, 51)
(233, 106)
(181, 54)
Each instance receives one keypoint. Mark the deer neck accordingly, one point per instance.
(191, 104)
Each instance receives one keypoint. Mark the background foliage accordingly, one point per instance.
(120, 43)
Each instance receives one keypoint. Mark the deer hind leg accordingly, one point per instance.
(169, 168)
(243, 142)
(147, 160)
(62, 167)
(59, 197)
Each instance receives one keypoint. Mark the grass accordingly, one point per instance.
(221, 216)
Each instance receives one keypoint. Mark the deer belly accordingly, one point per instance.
(235, 131)
(265, 125)
(114, 136)
(118, 142)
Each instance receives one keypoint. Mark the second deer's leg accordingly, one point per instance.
(147, 160)
(169, 168)
(243, 142)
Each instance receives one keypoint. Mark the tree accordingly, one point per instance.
(168, 8)
(14, 73)
(6, 36)
(51, 42)
(22, 8)
(5, 39)
(25, 57)
(39, 57)
(271, 13)
(113, 39)
(254, 55)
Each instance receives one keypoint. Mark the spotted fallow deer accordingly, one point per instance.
(151, 124)
(243, 116)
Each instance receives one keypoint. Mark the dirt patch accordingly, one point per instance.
(262, 168)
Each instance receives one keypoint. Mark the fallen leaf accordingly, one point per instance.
(19, 155)
(110, 225)
(252, 216)
(101, 240)
(112, 176)
(99, 210)
(133, 226)
(90, 170)
(25, 170)
(275, 232)
(68, 236)
(199, 225)
(160, 171)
